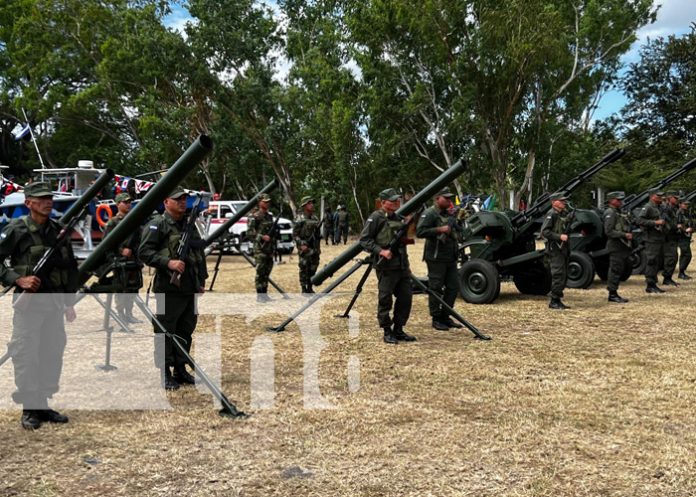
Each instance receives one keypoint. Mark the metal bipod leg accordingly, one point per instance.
(228, 408)
(358, 291)
(449, 309)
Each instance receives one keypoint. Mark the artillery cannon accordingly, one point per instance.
(498, 245)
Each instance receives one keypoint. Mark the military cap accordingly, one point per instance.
(389, 194)
(557, 196)
(122, 197)
(445, 192)
(672, 194)
(264, 197)
(306, 200)
(685, 202)
(657, 191)
(616, 195)
(38, 189)
(177, 193)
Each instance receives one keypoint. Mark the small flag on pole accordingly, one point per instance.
(23, 132)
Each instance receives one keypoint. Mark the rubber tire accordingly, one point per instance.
(581, 270)
(534, 281)
(639, 261)
(479, 282)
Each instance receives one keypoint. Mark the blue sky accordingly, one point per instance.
(674, 17)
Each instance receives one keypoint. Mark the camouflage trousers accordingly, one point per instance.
(264, 266)
(684, 253)
(670, 258)
(308, 267)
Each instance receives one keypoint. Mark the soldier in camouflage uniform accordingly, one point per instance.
(554, 232)
(38, 331)
(442, 234)
(126, 251)
(260, 231)
(341, 223)
(619, 236)
(392, 268)
(651, 222)
(328, 227)
(308, 241)
(685, 225)
(671, 256)
(159, 250)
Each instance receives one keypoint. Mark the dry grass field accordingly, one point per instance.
(599, 400)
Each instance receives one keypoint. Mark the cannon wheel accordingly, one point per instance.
(637, 263)
(580, 270)
(535, 280)
(479, 282)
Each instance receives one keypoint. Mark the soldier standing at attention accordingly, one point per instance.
(671, 256)
(38, 331)
(159, 250)
(441, 233)
(308, 241)
(392, 268)
(260, 231)
(685, 225)
(554, 232)
(127, 250)
(651, 222)
(341, 221)
(328, 227)
(619, 236)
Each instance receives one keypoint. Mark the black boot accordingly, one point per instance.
(558, 305)
(131, 318)
(438, 324)
(30, 420)
(262, 295)
(654, 289)
(452, 324)
(616, 298)
(402, 336)
(669, 282)
(389, 335)
(168, 382)
(683, 276)
(51, 416)
(182, 377)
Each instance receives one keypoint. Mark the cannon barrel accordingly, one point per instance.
(409, 207)
(222, 231)
(89, 194)
(638, 200)
(182, 167)
(541, 205)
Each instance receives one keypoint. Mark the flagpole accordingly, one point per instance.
(33, 139)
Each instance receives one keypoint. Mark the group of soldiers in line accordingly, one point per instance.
(335, 225)
(38, 336)
(666, 229)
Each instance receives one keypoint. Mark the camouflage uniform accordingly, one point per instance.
(616, 226)
(261, 224)
(306, 232)
(653, 239)
(671, 256)
(341, 228)
(124, 301)
(685, 220)
(159, 246)
(393, 275)
(557, 252)
(38, 330)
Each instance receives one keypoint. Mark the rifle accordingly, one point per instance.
(274, 233)
(184, 248)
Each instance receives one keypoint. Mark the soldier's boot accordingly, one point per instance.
(30, 420)
(51, 416)
(168, 381)
(616, 298)
(389, 335)
(452, 324)
(557, 304)
(669, 282)
(183, 377)
(131, 318)
(439, 324)
(683, 276)
(309, 289)
(262, 295)
(401, 335)
(654, 289)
